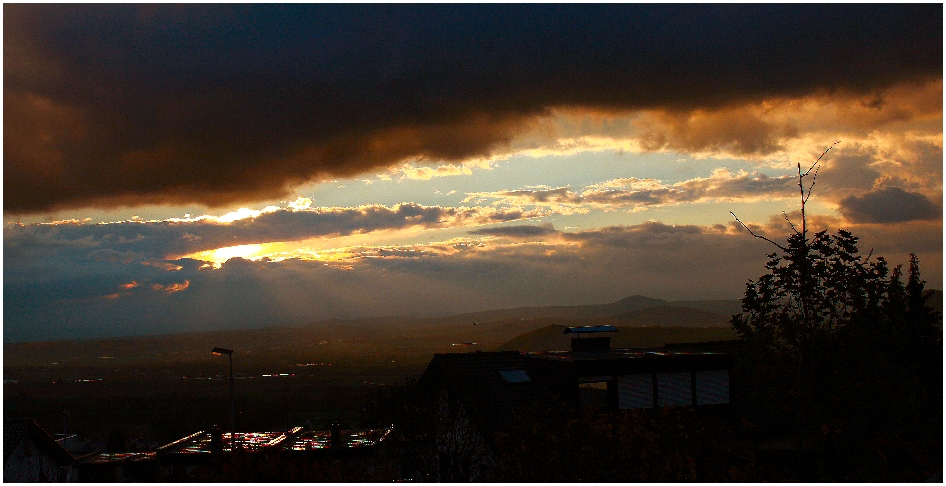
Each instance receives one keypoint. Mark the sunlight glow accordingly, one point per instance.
(220, 255)
(244, 213)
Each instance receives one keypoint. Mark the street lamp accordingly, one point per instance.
(229, 352)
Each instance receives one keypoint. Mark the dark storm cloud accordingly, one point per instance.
(889, 205)
(110, 105)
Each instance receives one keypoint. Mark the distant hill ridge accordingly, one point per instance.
(724, 308)
(494, 328)
(667, 316)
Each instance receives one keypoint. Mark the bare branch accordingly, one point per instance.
(814, 178)
(788, 220)
(757, 236)
(819, 158)
(801, 192)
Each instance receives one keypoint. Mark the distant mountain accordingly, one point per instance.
(725, 307)
(667, 316)
(643, 322)
(627, 304)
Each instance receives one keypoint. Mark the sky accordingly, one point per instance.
(172, 168)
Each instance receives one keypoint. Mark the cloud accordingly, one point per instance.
(173, 287)
(889, 205)
(157, 240)
(109, 105)
(518, 231)
(425, 173)
(634, 193)
(72, 294)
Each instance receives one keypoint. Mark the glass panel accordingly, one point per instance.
(673, 389)
(515, 376)
(635, 391)
(594, 394)
(712, 387)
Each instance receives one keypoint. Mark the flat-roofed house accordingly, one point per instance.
(478, 394)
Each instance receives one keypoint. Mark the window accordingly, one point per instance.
(636, 391)
(515, 376)
(593, 394)
(673, 389)
(712, 387)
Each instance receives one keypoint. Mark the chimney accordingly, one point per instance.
(595, 343)
(216, 439)
(336, 435)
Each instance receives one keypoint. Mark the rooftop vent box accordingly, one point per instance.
(592, 343)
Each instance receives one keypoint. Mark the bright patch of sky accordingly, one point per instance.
(576, 171)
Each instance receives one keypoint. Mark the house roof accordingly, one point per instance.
(16, 430)
(616, 361)
(199, 443)
(481, 381)
(589, 329)
(295, 439)
(314, 440)
(117, 457)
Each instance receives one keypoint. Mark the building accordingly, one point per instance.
(475, 395)
(594, 375)
(107, 467)
(31, 455)
(478, 394)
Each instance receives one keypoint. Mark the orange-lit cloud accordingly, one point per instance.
(632, 193)
(170, 267)
(425, 173)
(172, 287)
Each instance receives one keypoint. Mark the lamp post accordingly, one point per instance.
(229, 352)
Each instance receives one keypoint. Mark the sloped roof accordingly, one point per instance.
(16, 430)
(13, 432)
(199, 443)
(476, 380)
(322, 439)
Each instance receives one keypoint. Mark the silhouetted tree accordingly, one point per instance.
(861, 349)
